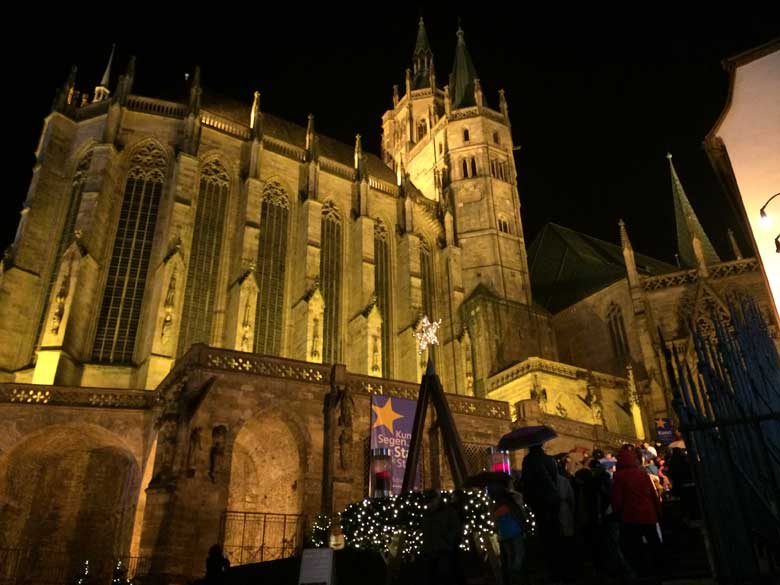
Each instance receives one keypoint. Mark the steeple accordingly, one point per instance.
(693, 245)
(628, 256)
(463, 75)
(734, 246)
(195, 92)
(101, 91)
(422, 59)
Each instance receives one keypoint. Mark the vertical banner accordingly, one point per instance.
(664, 430)
(391, 428)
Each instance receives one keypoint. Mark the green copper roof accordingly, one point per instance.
(462, 77)
(566, 266)
(688, 225)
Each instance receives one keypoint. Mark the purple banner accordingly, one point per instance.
(391, 428)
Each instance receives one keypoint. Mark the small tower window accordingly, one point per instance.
(465, 169)
(496, 138)
(473, 167)
(466, 135)
(503, 225)
(441, 148)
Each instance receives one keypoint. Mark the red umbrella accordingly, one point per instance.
(525, 437)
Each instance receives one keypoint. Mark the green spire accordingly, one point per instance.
(422, 59)
(463, 75)
(688, 226)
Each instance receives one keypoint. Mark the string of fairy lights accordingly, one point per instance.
(379, 523)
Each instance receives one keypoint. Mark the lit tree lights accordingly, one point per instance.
(378, 524)
(320, 531)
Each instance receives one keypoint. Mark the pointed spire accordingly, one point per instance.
(358, 150)
(255, 111)
(195, 92)
(422, 59)
(463, 75)
(502, 104)
(64, 95)
(310, 136)
(695, 248)
(734, 246)
(101, 91)
(628, 256)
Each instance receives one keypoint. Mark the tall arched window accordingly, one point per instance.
(466, 135)
(66, 234)
(426, 276)
(473, 167)
(617, 331)
(120, 311)
(465, 166)
(503, 225)
(382, 288)
(330, 281)
(422, 130)
(203, 269)
(271, 262)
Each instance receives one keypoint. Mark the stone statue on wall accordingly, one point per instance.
(217, 453)
(193, 450)
(345, 404)
(166, 445)
(62, 296)
(170, 300)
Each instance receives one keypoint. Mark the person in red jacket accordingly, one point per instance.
(635, 503)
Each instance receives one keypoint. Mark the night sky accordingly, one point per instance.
(595, 100)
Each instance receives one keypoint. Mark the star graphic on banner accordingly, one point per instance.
(385, 415)
(660, 423)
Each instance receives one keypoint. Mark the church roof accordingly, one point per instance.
(566, 266)
(463, 75)
(422, 54)
(294, 134)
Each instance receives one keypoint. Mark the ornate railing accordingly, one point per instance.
(147, 105)
(76, 396)
(733, 268)
(210, 120)
(464, 113)
(256, 537)
(283, 148)
(338, 169)
(383, 186)
(493, 115)
(683, 277)
(536, 364)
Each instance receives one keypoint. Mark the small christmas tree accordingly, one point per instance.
(119, 576)
(84, 578)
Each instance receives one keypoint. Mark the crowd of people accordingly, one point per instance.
(597, 514)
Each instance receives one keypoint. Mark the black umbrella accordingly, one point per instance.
(525, 437)
(486, 478)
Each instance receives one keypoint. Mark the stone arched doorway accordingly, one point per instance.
(263, 519)
(67, 494)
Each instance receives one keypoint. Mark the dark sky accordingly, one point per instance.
(595, 98)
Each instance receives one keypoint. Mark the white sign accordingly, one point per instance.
(316, 567)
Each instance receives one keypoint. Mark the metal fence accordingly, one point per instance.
(255, 537)
(46, 566)
(728, 401)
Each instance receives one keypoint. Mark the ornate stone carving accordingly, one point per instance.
(62, 296)
(168, 307)
(246, 327)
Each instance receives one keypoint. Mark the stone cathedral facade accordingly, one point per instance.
(193, 284)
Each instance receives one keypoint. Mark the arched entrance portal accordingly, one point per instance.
(263, 520)
(67, 494)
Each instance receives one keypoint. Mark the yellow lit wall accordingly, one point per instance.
(750, 129)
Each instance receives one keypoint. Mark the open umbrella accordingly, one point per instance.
(525, 437)
(486, 478)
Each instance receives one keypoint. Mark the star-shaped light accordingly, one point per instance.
(385, 415)
(426, 334)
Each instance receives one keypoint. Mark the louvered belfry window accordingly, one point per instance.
(271, 262)
(204, 262)
(382, 289)
(330, 281)
(67, 234)
(120, 310)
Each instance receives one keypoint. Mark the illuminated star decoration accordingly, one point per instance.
(426, 334)
(385, 415)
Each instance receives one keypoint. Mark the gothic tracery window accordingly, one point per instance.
(422, 130)
(67, 233)
(473, 167)
(271, 262)
(204, 262)
(465, 166)
(617, 331)
(330, 281)
(382, 288)
(120, 310)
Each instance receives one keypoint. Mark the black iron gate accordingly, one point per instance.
(255, 537)
(729, 411)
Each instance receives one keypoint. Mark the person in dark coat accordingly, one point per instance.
(442, 533)
(217, 565)
(636, 505)
(540, 485)
(510, 524)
